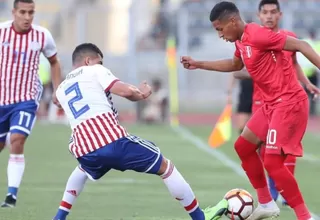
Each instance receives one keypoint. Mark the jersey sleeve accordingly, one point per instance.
(49, 48)
(105, 77)
(266, 39)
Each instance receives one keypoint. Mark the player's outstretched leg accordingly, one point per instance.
(74, 187)
(134, 153)
(286, 185)
(253, 166)
(15, 170)
(181, 191)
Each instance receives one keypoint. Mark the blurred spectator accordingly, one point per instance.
(160, 29)
(156, 37)
(156, 105)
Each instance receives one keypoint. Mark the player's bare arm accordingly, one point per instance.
(293, 44)
(227, 65)
(131, 92)
(301, 76)
(55, 75)
(241, 75)
(55, 71)
(231, 85)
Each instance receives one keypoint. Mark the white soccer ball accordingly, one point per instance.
(240, 204)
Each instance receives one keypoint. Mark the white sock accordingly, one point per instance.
(74, 187)
(179, 188)
(15, 170)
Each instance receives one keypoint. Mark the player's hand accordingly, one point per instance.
(55, 100)
(313, 90)
(146, 89)
(188, 63)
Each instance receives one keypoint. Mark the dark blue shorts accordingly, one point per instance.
(17, 118)
(128, 153)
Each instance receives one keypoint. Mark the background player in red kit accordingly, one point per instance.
(270, 15)
(275, 123)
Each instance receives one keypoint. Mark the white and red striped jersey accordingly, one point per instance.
(85, 97)
(19, 62)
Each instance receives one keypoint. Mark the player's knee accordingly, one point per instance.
(17, 143)
(165, 163)
(166, 168)
(244, 147)
(262, 151)
(273, 163)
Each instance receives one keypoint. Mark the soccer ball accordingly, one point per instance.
(240, 204)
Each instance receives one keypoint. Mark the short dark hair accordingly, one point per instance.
(85, 49)
(15, 3)
(269, 2)
(223, 9)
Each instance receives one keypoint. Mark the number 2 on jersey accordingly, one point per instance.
(76, 113)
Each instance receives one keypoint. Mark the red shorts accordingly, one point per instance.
(281, 127)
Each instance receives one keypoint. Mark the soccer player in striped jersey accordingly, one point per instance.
(20, 87)
(100, 143)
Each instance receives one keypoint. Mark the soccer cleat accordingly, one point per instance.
(265, 213)
(9, 202)
(216, 212)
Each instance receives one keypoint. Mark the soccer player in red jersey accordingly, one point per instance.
(270, 15)
(262, 51)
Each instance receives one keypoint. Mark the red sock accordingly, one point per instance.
(290, 163)
(285, 182)
(264, 195)
(302, 212)
(253, 167)
(262, 151)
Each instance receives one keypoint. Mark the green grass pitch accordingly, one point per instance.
(136, 196)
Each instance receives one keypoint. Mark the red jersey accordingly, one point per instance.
(257, 95)
(270, 67)
(19, 62)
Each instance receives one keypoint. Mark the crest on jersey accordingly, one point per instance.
(5, 44)
(248, 51)
(35, 46)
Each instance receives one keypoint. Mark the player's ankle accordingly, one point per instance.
(264, 196)
(268, 205)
